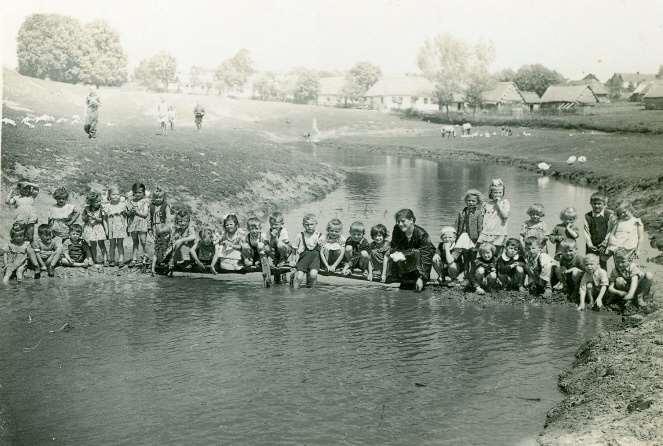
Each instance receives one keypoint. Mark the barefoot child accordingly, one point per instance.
(469, 225)
(62, 215)
(202, 251)
(307, 247)
(16, 254)
(510, 266)
(539, 267)
(379, 251)
(446, 259)
(570, 269)
(255, 249)
(183, 236)
(495, 216)
(598, 226)
(229, 247)
(160, 210)
(75, 250)
(534, 226)
(94, 230)
(483, 275)
(278, 240)
(163, 249)
(332, 246)
(628, 282)
(356, 249)
(566, 230)
(594, 282)
(23, 199)
(48, 250)
(627, 232)
(138, 209)
(115, 221)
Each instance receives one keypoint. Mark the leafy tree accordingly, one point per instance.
(478, 79)
(659, 75)
(51, 46)
(537, 78)
(361, 77)
(156, 72)
(104, 61)
(306, 85)
(268, 87)
(234, 72)
(614, 85)
(505, 75)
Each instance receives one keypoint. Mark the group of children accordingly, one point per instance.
(476, 253)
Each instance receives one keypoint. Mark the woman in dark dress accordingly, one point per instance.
(413, 242)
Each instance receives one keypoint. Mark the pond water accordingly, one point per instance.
(186, 361)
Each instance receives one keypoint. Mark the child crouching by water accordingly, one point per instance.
(570, 269)
(307, 247)
(446, 259)
(628, 282)
(594, 282)
(539, 267)
(48, 250)
(75, 250)
(16, 254)
(229, 246)
(183, 236)
(278, 241)
(510, 266)
(163, 249)
(483, 274)
(379, 252)
(356, 249)
(331, 246)
(203, 250)
(255, 249)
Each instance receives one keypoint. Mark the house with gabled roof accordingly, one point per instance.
(503, 94)
(640, 92)
(331, 91)
(531, 99)
(599, 90)
(568, 98)
(402, 93)
(653, 100)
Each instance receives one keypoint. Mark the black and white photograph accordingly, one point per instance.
(379, 222)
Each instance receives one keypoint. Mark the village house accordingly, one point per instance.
(640, 92)
(568, 99)
(505, 97)
(532, 100)
(653, 100)
(600, 91)
(630, 81)
(330, 92)
(402, 93)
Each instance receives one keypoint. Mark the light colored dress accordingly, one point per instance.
(59, 216)
(93, 231)
(230, 257)
(136, 223)
(117, 220)
(25, 211)
(17, 256)
(494, 228)
(625, 234)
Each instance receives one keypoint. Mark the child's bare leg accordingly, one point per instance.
(348, 253)
(364, 261)
(479, 275)
(313, 277)
(93, 250)
(134, 245)
(19, 272)
(102, 249)
(491, 280)
(7, 275)
(112, 243)
(120, 249)
(142, 236)
(645, 287)
(519, 278)
(590, 294)
(299, 278)
(453, 271)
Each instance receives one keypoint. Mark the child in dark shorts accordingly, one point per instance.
(483, 275)
(570, 268)
(163, 249)
(356, 249)
(446, 260)
(75, 250)
(307, 247)
(202, 251)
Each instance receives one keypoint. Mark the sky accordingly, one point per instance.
(574, 37)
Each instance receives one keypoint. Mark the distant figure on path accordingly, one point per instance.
(162, 113)
(198, 114)
(467, 129)
(92, 104)
(171, 116)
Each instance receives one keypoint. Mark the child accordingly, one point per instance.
(16, 254)
(278, 241)
(48, 250)
(331, 246)
(446, 258)
(307, 247)
(570, 269)
(470, 219)
(75, 250)
(171, 116)
(379, 251)
(184, 237)
(203, 249)
(539, 267)
(565, 230)
(535, 226)
(598, 225)
(628, 281)
(593, 278)
(115, 221)
(356, 249)
(627, 231)
(510, 266)
(229, 246)
(255, 249)
(163, 249)
(23, 199)
(138, 209)
(160, 210)
(62, 215)
(495, 216)
(94, 230)
(483, 274)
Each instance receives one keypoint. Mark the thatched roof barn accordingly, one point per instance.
(401, 93)
(568, 98)
(504, 93)
(653, 100)
(599, 90)
(531, 99)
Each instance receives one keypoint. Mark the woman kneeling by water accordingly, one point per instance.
(411, 251)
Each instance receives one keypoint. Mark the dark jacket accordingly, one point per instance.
(418, 245)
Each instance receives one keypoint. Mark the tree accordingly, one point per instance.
(50, 46)
(361, 77)
(267, 87)
(537, 78)
(478, 79)
(156, 72)
(234, 72)
(104, 61)
(306, 85)
(505, 75)
(659, 75)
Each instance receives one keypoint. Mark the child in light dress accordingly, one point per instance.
(229, 247)
(94, 230)
(23, 198)
(446, 260)
(594, 282)
(627, 232)
(16, 254)
(307, 247)
(565, 230)
(138, 213)
(332, 245)
(63, 214)
(534, 226)
(115, 221)
(495, 216)
(379, 251)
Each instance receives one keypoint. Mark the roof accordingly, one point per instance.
(580, 94)
(503, 92)
(636, 78)
(655, 91)
(597, 87)
(643, 88)
(530, 97)
(402, 86)
(331, 86)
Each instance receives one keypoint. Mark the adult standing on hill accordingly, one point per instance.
(198, 113)
(92, 103)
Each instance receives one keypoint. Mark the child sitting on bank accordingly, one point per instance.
(307, 248)
(599, 223)
(539, 267)
(570, 268)
(379, 252)
(627, 231)
(229, 247)
(594, 282)
(202, 251)
(163, 249)
(62, 215)
(23, 198)
(48, 250)
(75, 250)
(566, 230)
(469, 225)
(16, 254)
(483, 274)
(510, 266)
(255, 249)
(356, 249)
(534, 226)
(94, 230)
(628, 282)
(115, 221)
(332, 246)
(278, 241)
(446, 261)
(183, 236)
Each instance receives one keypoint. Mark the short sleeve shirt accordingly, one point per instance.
(598, 278)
